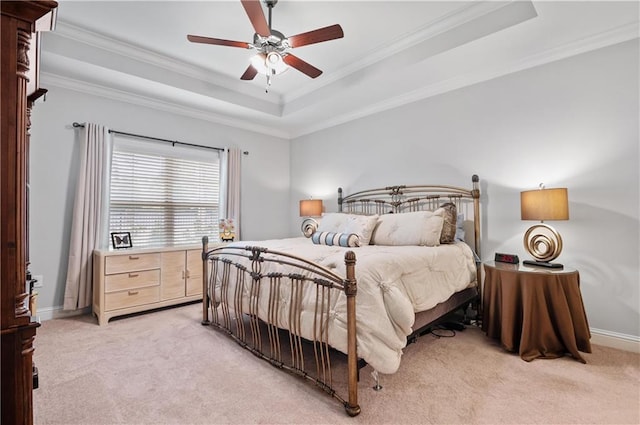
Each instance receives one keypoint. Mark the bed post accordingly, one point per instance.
(339, 199)
(205, 278)
(475, 193)
(350, 290)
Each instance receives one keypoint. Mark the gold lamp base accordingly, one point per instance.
(309, 226)
(544, 244)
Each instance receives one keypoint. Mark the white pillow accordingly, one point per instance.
(361, 225)
(332, 222)
(413, 228)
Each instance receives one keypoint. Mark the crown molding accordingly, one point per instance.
(118, 47)
(389, 48)
(615, 36)
(93, 39)
(608, 38)
(171, 107)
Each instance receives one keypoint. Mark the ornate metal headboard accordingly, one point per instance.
(401, 199)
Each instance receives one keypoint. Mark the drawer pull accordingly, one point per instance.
(134, 257)
(133, 274)
(133, 292)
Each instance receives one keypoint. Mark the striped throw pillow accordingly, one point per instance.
(350, 240)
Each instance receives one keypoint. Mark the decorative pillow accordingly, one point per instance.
(448, 233)
(460, 234)
(413, 228)
(350, 240)
(361, 225)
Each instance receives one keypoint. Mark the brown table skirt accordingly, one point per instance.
(538, 315)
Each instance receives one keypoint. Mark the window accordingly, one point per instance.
(163, 195)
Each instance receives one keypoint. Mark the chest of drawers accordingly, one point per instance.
(132, 281)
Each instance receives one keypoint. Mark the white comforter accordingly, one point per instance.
(393, 283)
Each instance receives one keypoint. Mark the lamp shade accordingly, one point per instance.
(311, 208)
(544, 204)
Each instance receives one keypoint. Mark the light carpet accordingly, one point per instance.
(164, 367)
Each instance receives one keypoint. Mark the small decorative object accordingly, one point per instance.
(227, 230)
(542, 241)
(121, 240)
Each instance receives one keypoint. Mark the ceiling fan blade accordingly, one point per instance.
(316, 36)
(250, 73)
(256, 16)
(218, 41)
(302, 66)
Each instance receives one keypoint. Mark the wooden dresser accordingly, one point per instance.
(134, 280)
(20, 26)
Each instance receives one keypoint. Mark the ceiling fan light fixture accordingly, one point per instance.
(272, 64)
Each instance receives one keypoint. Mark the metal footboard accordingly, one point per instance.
(258, 303)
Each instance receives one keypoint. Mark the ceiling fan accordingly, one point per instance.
(274, 49)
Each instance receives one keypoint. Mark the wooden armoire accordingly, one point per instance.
(21, 24)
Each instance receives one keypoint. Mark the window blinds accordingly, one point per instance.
(164, 197)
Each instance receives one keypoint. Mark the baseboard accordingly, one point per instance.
(615, 340)
(48, 313)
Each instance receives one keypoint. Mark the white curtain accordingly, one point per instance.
(230, 185)
(89, 226)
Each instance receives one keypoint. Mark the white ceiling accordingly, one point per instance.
(393, 53)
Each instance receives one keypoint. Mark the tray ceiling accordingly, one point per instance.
(392, 53)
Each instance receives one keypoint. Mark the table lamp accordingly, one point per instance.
(542, 241)
(310, 208)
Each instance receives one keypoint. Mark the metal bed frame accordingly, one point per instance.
(231, 271)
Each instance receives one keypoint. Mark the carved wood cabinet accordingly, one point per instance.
(21, 23)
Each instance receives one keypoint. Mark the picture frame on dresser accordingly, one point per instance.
(121, 240)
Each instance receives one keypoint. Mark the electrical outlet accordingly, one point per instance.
(39, 281)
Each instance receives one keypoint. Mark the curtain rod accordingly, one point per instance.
(173, 142)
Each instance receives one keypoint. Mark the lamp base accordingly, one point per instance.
(545, 264)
